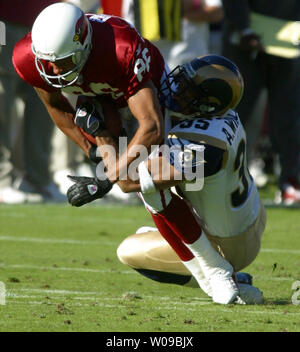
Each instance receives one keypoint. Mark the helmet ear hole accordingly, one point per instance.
(218, 93)
(76, 58)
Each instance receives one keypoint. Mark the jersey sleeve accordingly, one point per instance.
(135, 61)
(194, 159)
(24, 63)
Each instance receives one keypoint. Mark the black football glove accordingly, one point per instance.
(87, 189)
(89, 119)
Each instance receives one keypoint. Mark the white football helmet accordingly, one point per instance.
(60, 31)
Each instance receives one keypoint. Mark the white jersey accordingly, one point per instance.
(229, 202)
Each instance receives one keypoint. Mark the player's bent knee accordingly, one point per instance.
(150, 251)
(127, 251)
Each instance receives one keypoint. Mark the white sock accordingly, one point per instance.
(194, 267)
(210, 260)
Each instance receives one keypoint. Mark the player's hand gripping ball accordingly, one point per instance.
(91, 119)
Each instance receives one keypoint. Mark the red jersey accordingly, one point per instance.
(119, 64)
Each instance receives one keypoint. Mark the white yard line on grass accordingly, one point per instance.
(78, 299)
(180, 306)
(283, 251)
(56, 241)
(45, 268)
(96, 296)
(105, 271)
(109, 243)
(14, 292)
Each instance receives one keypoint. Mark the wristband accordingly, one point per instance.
(146, 181)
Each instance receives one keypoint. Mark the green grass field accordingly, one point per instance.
(61, 273)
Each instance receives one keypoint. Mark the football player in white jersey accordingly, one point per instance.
(228, 205)
(224, 234)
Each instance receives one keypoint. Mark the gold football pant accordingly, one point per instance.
(150, 251)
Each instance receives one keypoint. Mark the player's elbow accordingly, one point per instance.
(128, 186)
(154, 133)
(124, 187)
(156, 137)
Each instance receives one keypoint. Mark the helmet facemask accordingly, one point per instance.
(183, 95)
(64, 79)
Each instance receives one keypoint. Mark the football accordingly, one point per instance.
(112, 119)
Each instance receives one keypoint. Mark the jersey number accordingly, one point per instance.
(142, 65)
(238, 197)
(197, 123)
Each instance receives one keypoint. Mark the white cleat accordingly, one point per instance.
(249, 295)
(224, 289)
(10, 195)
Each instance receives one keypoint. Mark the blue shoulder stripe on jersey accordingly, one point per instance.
(213, 155)
(214, 60)
(178, 141)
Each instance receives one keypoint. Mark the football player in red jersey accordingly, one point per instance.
(92, 55)
(96, 56)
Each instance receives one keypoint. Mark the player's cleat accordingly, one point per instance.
(256, 168)
(9, 195)
(224, 289)
(243, 278)
(290, 195)
(249, 295)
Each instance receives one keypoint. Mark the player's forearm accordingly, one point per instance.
(62, 115)
(65, 123)
(108, 150)
(162, 173)
(110, 156)
(145, 107)
(130, 186)
(139, 147)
